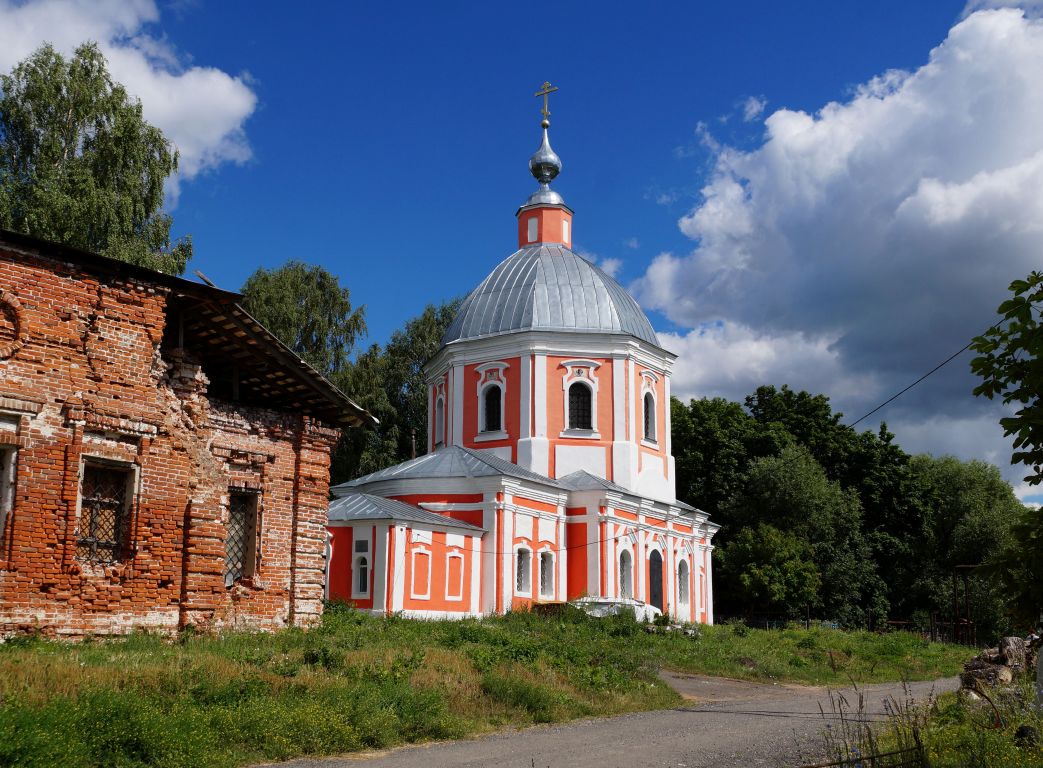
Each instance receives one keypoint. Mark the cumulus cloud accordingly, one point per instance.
(200, 109)
(611, 267)
(858, 246)
(753, 108)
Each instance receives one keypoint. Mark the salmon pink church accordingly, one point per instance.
(549, 475)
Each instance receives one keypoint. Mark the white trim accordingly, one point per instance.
(517, 562)
(618, 578)
(491, 375)
(540, 395)
(619, 417)
(653, 441)
(477, 569)
(449, 595)
(580, 372)
(544, 595)
(355, 594)
(525, 397)
(631, 411)
(687, 603)
(456, 437)
(415, 551)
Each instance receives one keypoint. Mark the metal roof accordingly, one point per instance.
(449, 462)
(364, 506)
(581, 480)
(551, 288)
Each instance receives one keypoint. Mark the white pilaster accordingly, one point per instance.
(457, 395)
(381, 583)
(539, 394)
(398, 590)
(525, 396)
(709, 586)
(476, 575)
(562, 560)
(631, 397)
(507, 559)
(490, 559)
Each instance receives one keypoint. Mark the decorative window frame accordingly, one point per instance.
(450, 595)
(687, 601)
(628, 592)
(518, 549)
(355, 557)
(491, 375)
(416, 552)
(649, 381)
(548, 594)
(583, 372)
(438, 431)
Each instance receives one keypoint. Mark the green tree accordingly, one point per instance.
(1016, 570)
(307, 308)
(1010, 364)
(79, 164)
(792, 493)
(389, 382)
(764, 569)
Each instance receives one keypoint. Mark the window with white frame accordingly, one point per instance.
(492, 406)
(439, 421)
(491, 392)
(580, 416)
(649, 417)
(421, 581)
(361, 569)
(580, 393)
(454, 576)
(546, 575)
(626, 575)
(103, 530)
(8, 464)
(682, 583)
(523, 572)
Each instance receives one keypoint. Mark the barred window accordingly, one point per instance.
(523, 572)
(241, 539)
(492, 399)
(546, 574)
(104, 513)
(579, 407)
(8, 462)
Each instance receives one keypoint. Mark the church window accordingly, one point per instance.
(682, 583)
(531, 232)
(523, 572)
(492, 402)
(105, 493)
(439, 422)
(241, 538)
(649, 417)
(579, 406)
(362, 576)
(546, 575)
(8, 462)
(626, 575)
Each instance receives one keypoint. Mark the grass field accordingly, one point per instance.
(358, 682)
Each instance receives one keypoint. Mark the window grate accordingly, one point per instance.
(579, 406)
(239, 543)
(103, 514)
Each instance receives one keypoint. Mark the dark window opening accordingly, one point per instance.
(362, 582)
(492, 400)
(579, 407)
(241, 538)
(104, 513)
(649, 417)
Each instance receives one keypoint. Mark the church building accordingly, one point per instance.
(548, 475)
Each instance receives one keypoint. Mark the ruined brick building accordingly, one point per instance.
(164, 460)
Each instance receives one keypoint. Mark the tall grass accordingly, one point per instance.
(359, 682)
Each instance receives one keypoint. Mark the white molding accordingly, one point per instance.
(525, 396)
(489, 437)
(580, 372)
(355, 594)
(491, 375)
(618, 399)
(414, 551)
(632, 416)
(540, 395)
(457, 435)
(448, 594)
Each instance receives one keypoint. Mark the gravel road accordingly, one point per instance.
(725, 724)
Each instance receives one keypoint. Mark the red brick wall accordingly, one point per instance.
(83, 373)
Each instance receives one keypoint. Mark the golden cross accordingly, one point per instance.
(545, 91)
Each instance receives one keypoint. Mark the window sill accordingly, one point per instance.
(649, 443)
(581, 434)
(420, 597)
(485, 437)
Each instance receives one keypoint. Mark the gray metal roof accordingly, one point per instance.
(550, 288)
(364, 506)
(581, 480)
(449, 462)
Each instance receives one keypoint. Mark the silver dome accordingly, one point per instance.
(548, 288)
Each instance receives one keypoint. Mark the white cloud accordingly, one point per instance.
(859, 246)
(1031, 7)
(753, 108)
(200, 109)
(611, 267)
(633, 243)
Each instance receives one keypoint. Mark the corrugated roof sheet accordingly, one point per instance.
(364, 506)
(581, 480)
(451, 461)
(551, 288)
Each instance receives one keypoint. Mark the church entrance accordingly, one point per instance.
(655, 579)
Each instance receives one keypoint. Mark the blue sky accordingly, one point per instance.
(831, 195)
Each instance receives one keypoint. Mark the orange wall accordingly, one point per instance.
(576, 541)
(661, 406)
(511, 405)
(439, 560)
(549, 229)
(556, 408)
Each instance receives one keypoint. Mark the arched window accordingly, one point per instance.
(523, 572)
(546, 574)
(362, 576)
(682, 583)
(626, 575)
(649, 417)
(439, 421)
(579, 406)
(492, 400)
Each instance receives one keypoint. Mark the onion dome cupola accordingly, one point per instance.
(544, 217)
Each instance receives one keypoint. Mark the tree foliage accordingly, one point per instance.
(388, 381)
(768, 570)
(307, 308)
(79, 164)
(1010, 364)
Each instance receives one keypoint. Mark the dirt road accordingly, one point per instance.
(726, 724)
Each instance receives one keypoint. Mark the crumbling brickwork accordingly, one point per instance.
(96, 395)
